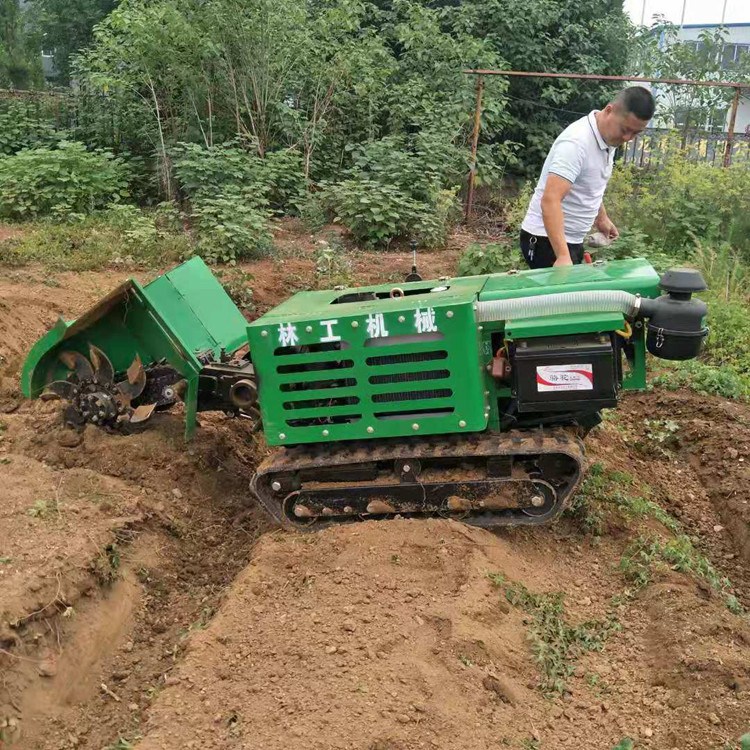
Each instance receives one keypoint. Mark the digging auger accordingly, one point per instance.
(465, 398)
(144, 348)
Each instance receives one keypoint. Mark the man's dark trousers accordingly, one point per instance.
(538, 252)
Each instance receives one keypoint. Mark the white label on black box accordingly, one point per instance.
(565, 378)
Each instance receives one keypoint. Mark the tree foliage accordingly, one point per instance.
(659, 51)
(20, 61)
(65, 27)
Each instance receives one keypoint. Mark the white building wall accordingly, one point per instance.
(737, 33)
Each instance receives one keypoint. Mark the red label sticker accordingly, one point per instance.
(565, 378)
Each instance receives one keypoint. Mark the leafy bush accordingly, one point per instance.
(231, 228)
(20, 128)
(313, 212)
(278, 179)
(208, 171)
(59, 182)
(282, 175)
(374, 213)
(703, 378)
(492, 258)
(682, 201)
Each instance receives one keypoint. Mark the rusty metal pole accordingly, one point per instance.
(474, 146)
(732, 122)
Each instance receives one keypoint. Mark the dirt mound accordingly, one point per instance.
(394, 636)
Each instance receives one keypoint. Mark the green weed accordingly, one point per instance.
(491, 258)
(605, 489)
(44, 509)
(237, 284)
(624, 744)
(703, 378)
(121, 744)
(660, 436)
(678, 553)
(90, 243)
(106, 565)
(555, 643)
(332, 266)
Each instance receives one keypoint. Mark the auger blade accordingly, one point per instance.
(104, 373)
(136, 380)
(59, 389)
(78, 365)
(142, 413)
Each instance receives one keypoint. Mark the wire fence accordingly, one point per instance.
(655, 145)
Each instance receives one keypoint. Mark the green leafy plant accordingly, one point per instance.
(373, 212)
(660, 437)
(237, 284)
(491, 258)
(677, 553)
(556, 644)
(44, 508)
(703, 378)
(62, 182)
(605, 490)
(96, 242)
(106, 564)
(332, 267)
(23, 126)
(231, 227)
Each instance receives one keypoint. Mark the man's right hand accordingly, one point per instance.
(562, 261)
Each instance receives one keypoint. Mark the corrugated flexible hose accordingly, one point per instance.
(558, 304)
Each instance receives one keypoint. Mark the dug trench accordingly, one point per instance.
(144, 601)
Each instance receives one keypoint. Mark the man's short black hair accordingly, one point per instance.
(638, 101)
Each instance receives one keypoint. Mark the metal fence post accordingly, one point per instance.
(474, 146)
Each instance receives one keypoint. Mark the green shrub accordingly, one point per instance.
(21, 129)
(277, 180)
(61, 182)
(230, 228)
(373, 212)
(208, 171)
(399, 188)
(312, 211)
(282, 175)
(492, 258)
(682, 201)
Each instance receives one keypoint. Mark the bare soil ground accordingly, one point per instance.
(144, 600)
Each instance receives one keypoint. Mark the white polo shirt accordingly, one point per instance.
(580, 156)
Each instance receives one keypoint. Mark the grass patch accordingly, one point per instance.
(605, 490)
(644, 555)
(92, 243)
(556, 644)
(708, 379)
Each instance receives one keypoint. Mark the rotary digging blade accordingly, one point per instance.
(92, 394)
(104, 373)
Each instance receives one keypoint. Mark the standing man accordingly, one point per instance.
(568, 197)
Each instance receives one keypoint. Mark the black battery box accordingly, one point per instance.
(565, 373)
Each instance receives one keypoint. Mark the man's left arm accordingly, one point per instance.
(605, 225)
